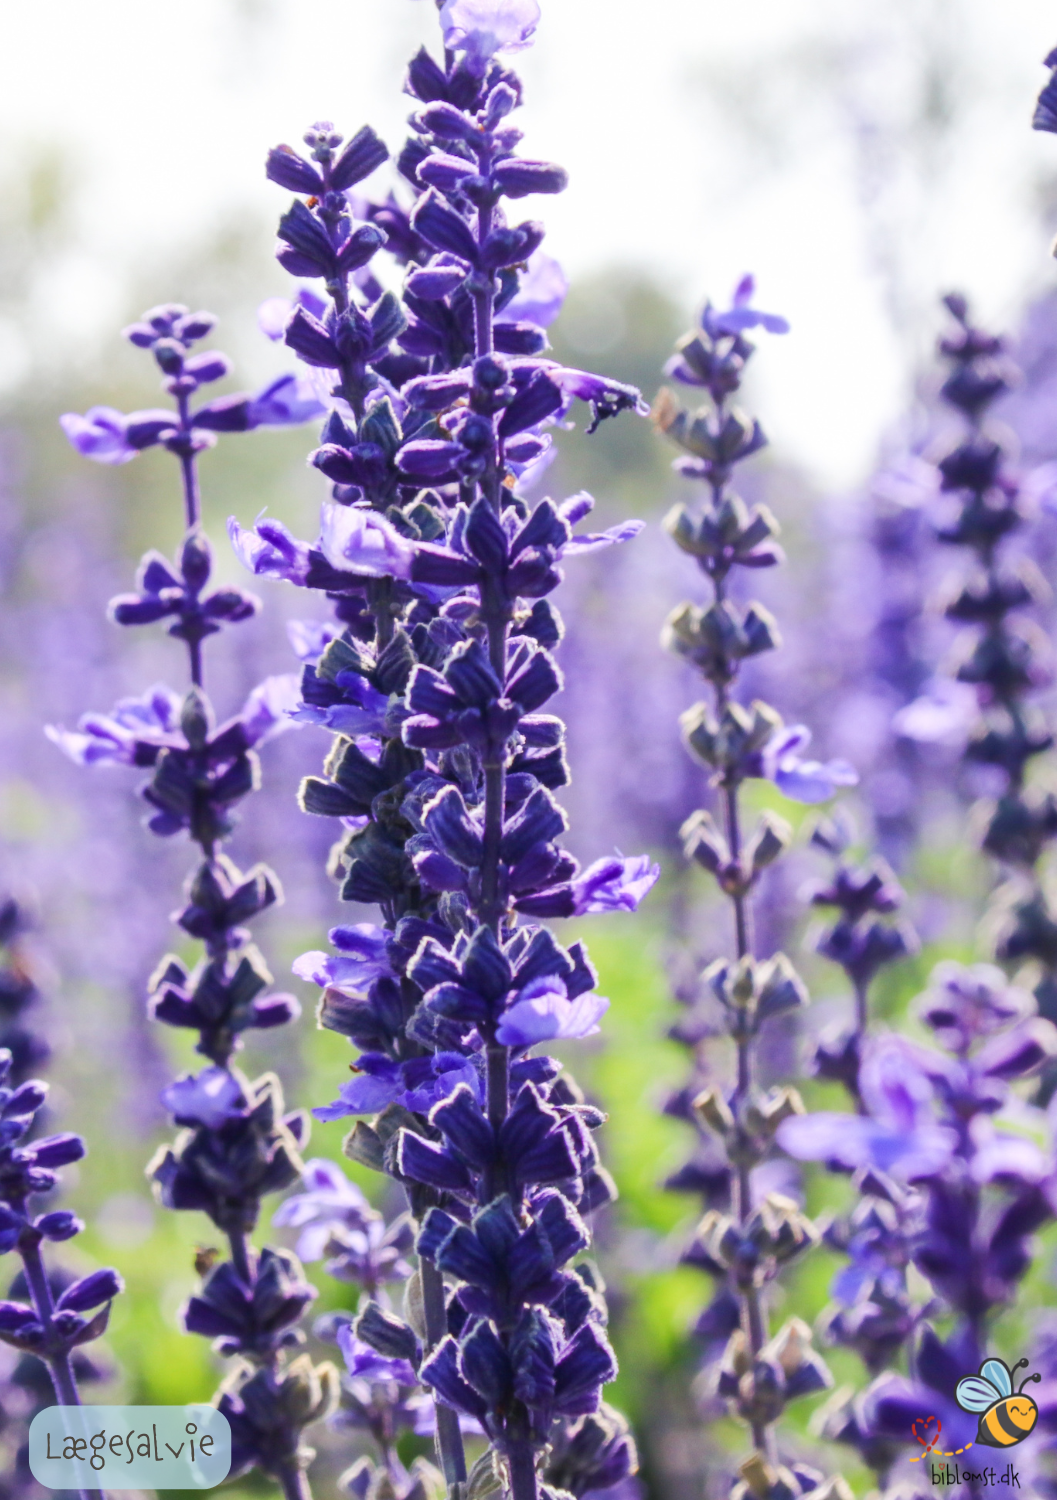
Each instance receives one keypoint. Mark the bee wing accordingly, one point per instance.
(996, 1372)
(975, 1394)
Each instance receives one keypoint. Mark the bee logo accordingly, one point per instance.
(1006, 1419)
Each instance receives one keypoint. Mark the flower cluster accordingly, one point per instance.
(37, 1321)
(949, 1187)
(1004, 658)
(237, 1141)
(862, 941)
(749, 1232)
(434, 679)
(48, 1314)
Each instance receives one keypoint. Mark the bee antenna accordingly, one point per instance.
(1023, 1383)
(1020, 1364)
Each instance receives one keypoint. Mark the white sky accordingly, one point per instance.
(168, 106)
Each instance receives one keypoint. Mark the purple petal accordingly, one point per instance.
(362, 1095)
(211, 1099)
(267, 711)
(550, 1015)
(99, 435)
(615, 884)
(481, 28)
(540, 294)
(361, 541)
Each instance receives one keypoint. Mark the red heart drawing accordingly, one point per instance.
(920, 1428)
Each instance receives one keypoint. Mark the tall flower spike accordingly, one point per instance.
(436, 678)
(48, 1313)
(1004, 658)
(748, 1233)
(238, 1142)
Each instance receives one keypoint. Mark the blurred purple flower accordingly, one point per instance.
(153, 719)
(210, 1099)
(943, 714)
(99, 434)
(802, 780)
(898, 1134)
(275, 312)
(741, 315)
(310, 638)
(287, 402)
(268, 710)
(541, 292)
(330, 1201)
(481, 28)
(363, 1363)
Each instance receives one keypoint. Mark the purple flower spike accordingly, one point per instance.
(481, 28)
(802, 780)
(543, 1012)
(99, 435)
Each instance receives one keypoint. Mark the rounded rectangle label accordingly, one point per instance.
(125, 1447)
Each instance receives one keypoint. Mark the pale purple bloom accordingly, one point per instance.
(481, 28)
(210, 1099)
(615, 884)
(287, 401)
(898, 1134)
(367, 1092)
(358, 540)
(112, 738)
(99, 434)
(543, 1012)
(268, 710)
(741, 315)
(943, 714)
(330, 1201)
(579, 546)
(999, 1156)
(269, 550)
(802, 780)
(540, 294)
(362, 959)
(275, 312)
(310, 638)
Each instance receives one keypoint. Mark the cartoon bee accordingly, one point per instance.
(1006, 1418)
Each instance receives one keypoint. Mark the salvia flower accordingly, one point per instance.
(436, 682)
(744, 1239)
(238, 1142)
